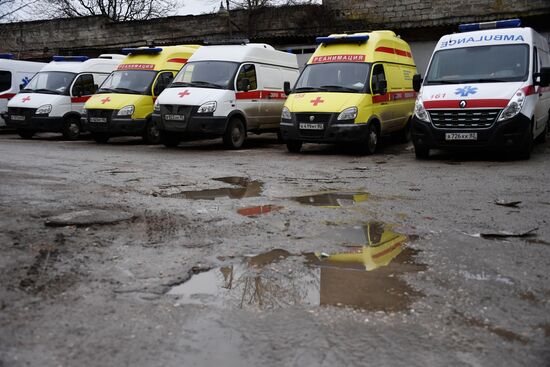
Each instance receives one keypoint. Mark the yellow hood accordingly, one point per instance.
(324, 101)
(143, 105)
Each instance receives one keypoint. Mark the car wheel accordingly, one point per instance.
(25, 134)
(235, 134)
(370, 144)
(169, 139)
(294, 146)
(71, 129)
(101, 138)
(544, 135)
(152, 133)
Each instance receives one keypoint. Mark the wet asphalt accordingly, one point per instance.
(127, 254)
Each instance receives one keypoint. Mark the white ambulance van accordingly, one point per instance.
(486, 87)
(228, 91)
(54, 98)
(14, 75)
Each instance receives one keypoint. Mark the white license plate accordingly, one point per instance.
(174, 117)
(98, 119)
(460, 136)
(305, 126)
(17, 118)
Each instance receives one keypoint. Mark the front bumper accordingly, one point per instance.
(503, 134)
(115, 126)
(189, 122)
(36, 123)
(333, 131)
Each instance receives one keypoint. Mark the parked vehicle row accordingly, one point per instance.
(486, 87)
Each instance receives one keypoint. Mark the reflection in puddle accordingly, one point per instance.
(333, 199)
(247, 189)
(252, 211)
(366, 277)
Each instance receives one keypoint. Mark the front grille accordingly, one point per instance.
(464, 119)
(100, 113)
(93, 117)
(21, 111)
(313, 117)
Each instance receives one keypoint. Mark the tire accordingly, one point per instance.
(25, 134)
(101, 138)
(370, 145)
(152, 133)
(404, 135)
(543, 137)
(421, 152)
(524, 150)
(71, 128)
(294, 146)
(235, 134)
(280, 139)
(169, 139)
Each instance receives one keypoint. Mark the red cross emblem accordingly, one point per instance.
(184, 93)
(27, 98)
(105, 100)
(316, 101)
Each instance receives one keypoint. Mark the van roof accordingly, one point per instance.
(487, 37)
(103, 64)
(159, 58)
(252, 52)
(10, 64)
(363, 47)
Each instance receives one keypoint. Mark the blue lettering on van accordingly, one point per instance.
(483, 38)
(464, 92)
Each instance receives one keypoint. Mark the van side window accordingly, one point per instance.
(5, 80)
(535, 60)
(247, 71)
(378, 75)
(162, 82)
(84, 85)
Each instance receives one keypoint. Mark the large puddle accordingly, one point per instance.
(366, 276)
(246, 188)
(332, 199)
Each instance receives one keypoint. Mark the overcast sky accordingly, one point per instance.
(199, 6)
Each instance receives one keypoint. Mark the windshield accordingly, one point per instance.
(334, 77)
(206, 74)
(51, 82)
(129, 82)
(484, 64)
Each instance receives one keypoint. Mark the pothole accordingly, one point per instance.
(332, 199)
(246, 188)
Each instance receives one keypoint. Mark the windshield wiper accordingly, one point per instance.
(46, 91)
(180, 84)
(126, 90)
(339, 87)
(309, 89)
(486, 80)
(106, 90)
(207, 84)
(444, 81)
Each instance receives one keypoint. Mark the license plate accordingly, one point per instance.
(461, 136)
(174, 117)
(311, 126)
(17, 118)
(98, 119)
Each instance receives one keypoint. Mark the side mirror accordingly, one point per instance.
(244, 85)
(383, 87)
(543, 78)
(417, 82)
(21, 86)
(286, 88)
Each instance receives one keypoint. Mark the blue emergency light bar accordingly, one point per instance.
(141, 51)
(70, 58)
(508, 23)
(342, 39)
(6, 56)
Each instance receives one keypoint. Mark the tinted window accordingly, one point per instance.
(84, 85)
(5, 80)
(162, 82)
(378, 75)
(248, 71)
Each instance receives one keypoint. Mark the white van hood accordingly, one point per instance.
(195, 96)
(35, 100)
(480, 95)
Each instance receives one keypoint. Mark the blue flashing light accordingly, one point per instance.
(499, 24)
(342, 39)
(141, 51)
(7, 56)
(70, 58)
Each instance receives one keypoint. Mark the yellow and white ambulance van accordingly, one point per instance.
(226, 90)
(486, 88)
(53, 100)
(14, 75)
(124, 103)
(354, 88)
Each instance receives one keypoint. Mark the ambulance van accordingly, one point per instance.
(14, 75)
(486, 87)
(53, 100)
(227, 91)
(355, 88)
(124, 103)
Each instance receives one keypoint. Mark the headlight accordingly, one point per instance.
(419, 110)
(285, 114)
(126, 111)
(44, 110)
(156, 106)
(348, 114)
(207, 107)
(514, 106)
